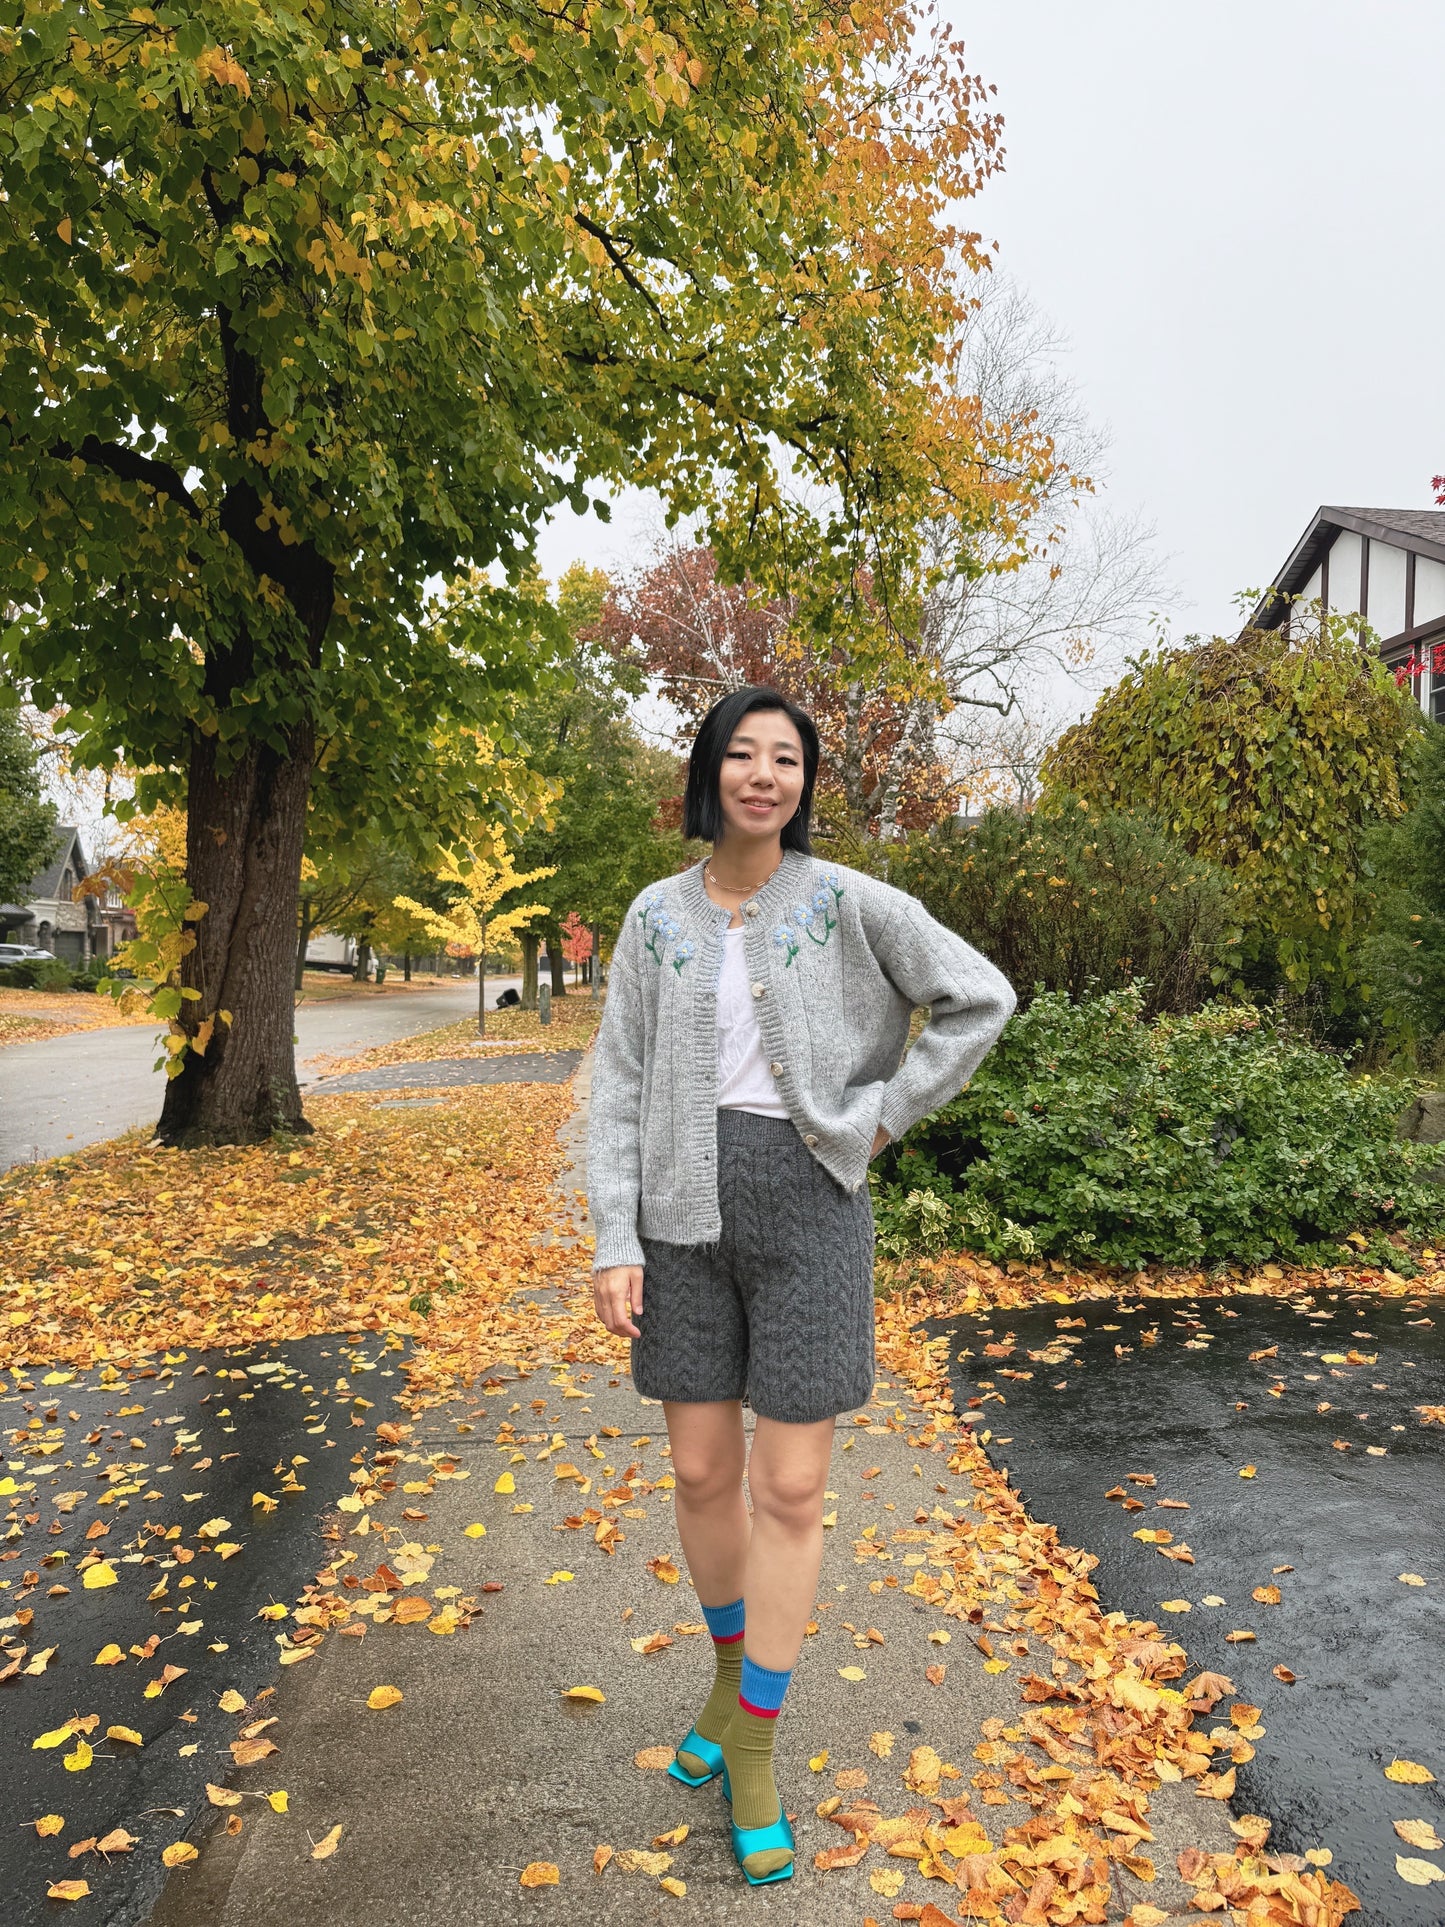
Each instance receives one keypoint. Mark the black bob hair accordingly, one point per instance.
(702, 815)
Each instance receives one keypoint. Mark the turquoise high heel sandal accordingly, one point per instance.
(750, 1840)
(705, 1750)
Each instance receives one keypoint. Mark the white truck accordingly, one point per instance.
(326, 951)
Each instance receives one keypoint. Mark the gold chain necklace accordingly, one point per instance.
(730, 890)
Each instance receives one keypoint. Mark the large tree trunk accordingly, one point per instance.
(558, 964)
(243, 861)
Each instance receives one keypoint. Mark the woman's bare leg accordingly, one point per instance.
(787, 1475)
(712, 1521)
(708, 1455)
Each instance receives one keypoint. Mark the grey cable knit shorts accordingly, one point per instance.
(780, 1310)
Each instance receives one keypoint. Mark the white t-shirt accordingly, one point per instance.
(744, 1082)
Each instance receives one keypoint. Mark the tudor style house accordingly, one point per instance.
(1387, 565)
(54, 917)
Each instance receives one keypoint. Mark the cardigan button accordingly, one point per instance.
(760, 990)
(750, 909)
(809, 1140)
(776, 1069)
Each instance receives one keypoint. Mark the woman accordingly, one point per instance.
(748, 1068)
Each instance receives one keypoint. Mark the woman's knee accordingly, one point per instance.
(706, 1473)
(790, 1495)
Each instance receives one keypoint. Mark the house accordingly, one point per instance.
(55, 918)
(1387, 565)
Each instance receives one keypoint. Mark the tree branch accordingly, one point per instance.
(130, 466)
(619, 261)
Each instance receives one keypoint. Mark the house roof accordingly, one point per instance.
(47, 883)
(1422, 530)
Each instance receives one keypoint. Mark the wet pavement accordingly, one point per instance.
(1289, 1459)
(200, 1484)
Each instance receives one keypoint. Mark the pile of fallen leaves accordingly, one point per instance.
(389, 1217)
(960, 1281)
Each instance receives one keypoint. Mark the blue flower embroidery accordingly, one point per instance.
(815, 919)
(660, 928)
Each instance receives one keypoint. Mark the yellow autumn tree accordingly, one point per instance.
(482, 872)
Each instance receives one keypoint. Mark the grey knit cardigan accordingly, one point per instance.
(837, 961)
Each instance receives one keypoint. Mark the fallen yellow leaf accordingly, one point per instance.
(49, 1823)
(818, 1761)
(102, 1573)
(539, 1873)
(380, 1697)
(505, 1485)
(126, 1733)
(1409, 1773)
(57, 1736)
(559, 1579)
(68, 1890)
(653, 1757)
(1416, 1833)
(887, 1881)
(178, 1853)
(600, 1857)
(80, 1759)
(851, 1672)
(1419, 1873)
(474, 1532)
(109, 1656)
(671, 1885)
(1247, 1471)
(278, 1801)
(231, 1701)
(324, 1849)
(223, 1796)
(592, 1693)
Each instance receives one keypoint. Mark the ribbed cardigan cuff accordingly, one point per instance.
(617, 1244)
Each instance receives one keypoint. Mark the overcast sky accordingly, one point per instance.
(1232, 211)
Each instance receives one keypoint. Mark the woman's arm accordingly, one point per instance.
(614, 1150)
(968, 1001)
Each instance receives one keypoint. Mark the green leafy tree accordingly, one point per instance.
(602, 839)
(27, 821)
(1267, 755)
(307, 307)
(1405, 950)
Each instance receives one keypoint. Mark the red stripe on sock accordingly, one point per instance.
(759, 1712)
(726, 1639)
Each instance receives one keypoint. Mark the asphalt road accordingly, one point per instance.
(1289, 1450)
(157, 1471)
(62, 1093)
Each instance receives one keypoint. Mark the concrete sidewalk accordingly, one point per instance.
(484, 1767)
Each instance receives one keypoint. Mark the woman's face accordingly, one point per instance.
(760, 783)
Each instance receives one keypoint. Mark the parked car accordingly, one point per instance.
(11, 953)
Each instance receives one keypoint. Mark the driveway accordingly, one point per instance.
(61, 1093)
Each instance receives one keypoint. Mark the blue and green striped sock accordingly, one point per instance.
(725, 1623)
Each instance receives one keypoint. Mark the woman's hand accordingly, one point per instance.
(617, 1295)
(880, 1138)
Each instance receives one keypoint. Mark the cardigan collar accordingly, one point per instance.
(780, 886)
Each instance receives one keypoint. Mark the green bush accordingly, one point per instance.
(1076, 900)
(1090, 1133)
(37, 973)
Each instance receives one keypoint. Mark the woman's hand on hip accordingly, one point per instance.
(617, 1295)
